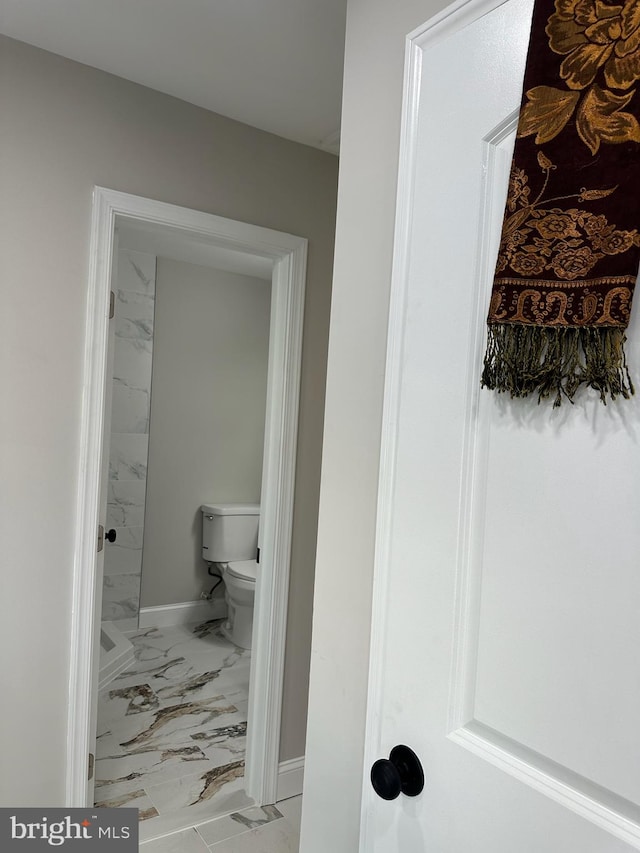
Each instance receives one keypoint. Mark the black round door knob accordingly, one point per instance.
(401, 773)
(110, 535)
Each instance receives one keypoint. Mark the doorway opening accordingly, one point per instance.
(205, 240)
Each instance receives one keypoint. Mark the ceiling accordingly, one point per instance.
(273, 64)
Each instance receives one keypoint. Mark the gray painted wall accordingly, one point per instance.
(65, 128)
(376, 31)
(208, 396)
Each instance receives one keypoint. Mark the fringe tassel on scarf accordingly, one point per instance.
(555, 361)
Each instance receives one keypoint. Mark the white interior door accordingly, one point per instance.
(507, 590)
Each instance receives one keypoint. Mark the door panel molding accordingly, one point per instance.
(601, 806)
(496, 160)
(610, 812)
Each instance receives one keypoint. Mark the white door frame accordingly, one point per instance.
(288, 254)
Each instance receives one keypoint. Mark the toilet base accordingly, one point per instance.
(239, 625)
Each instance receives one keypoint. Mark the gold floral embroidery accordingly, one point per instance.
(589, 308)
(547, 308)
(547, 112)
(556, 225)
(543, 304)
(519, 190)
(574, 263)
(565, 272)
(600, 119)
(594, 37)
(567, 242)
(496, 299)
(525, 264)
(621, 296)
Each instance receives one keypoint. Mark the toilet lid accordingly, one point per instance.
(245, 569)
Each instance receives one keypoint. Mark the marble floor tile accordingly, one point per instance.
(123, 701)
(241, 704)
(204, 641)
(126, 625)
(194, 687)
(197, 788)
(278, 836)
(153, 765)
(235, 824)
(187, 841)
(130, 795)
(167, 757)
(169, 735)
(223, 745)
(156, 674)
(181, 671)
(221, 805)
(291, 809)
(171, 724)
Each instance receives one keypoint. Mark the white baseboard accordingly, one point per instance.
(165, 615)
(290, 776)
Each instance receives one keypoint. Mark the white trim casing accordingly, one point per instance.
(288, 254)
(83, 663)
(278, 481)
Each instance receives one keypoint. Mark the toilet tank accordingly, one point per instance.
(229, 532)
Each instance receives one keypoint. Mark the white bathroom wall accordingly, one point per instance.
(133, 351)
(210, 353)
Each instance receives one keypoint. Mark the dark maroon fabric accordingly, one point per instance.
(570, 246)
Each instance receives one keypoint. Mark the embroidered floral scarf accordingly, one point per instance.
(570, 247)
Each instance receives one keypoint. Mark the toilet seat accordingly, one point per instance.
(245, 570)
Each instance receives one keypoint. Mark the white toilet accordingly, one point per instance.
(230, 542)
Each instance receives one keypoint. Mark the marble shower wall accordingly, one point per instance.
(134, 308)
